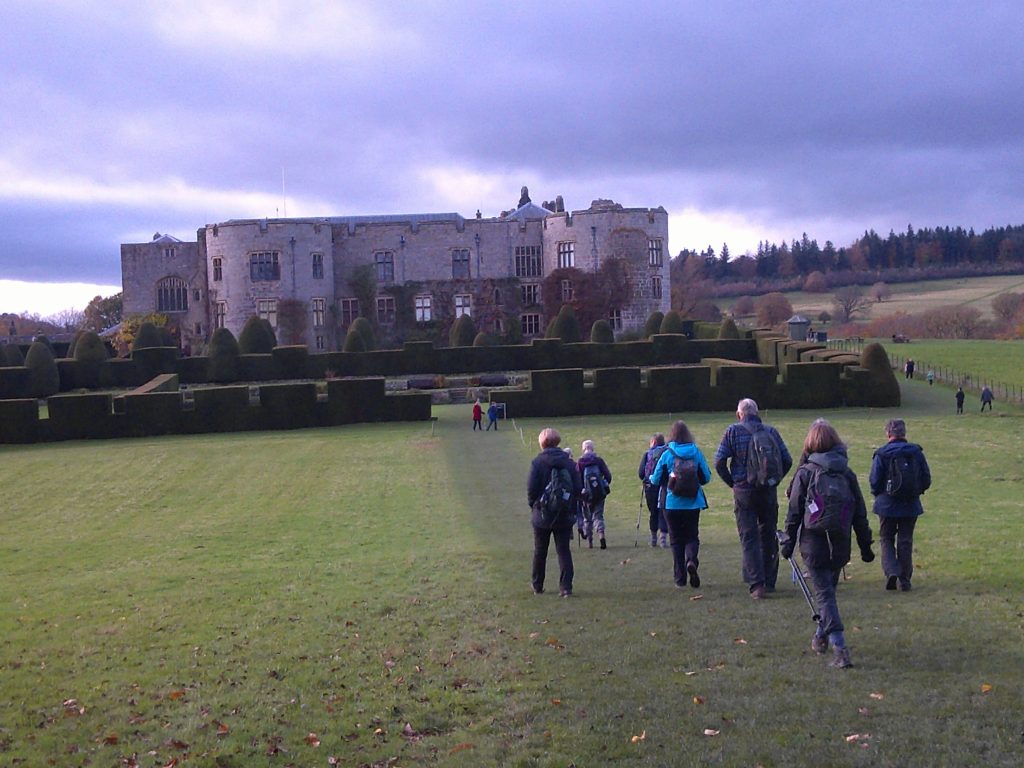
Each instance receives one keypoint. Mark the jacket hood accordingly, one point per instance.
(833, 461)
(589, 458)
(684, 450)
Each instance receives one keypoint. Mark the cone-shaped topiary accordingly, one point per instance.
(43, 340)
(222, 357)
(254, 338)
(271, 333)
(485, 340)
(653, 324)
(13, 355)
(671, 323)
(462, 333)
(566, 327)
(728, 329)
(601, 332)
(354, 341)
(166, 337)
(883, 380)
(74, 341)
(43, 378)
(362, 326)
(148, 336)
(90, 354)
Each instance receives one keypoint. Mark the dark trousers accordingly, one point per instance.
(656, 521)
(477, 425)
(896, 537)
(984, 403)
(563, 548)
(824, 581)
(757, 517)
(492, 423)
(683, 535)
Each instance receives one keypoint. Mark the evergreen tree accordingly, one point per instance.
(653, 324)
(673, 323)
(362, 326)
(601, 332)
(43, 377)
(222, 357)
(566, 327)
(148, 336)
(255, 338)
(462, 332)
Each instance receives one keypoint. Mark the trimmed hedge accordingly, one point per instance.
(19, 420)
(288, 406)
(78, 417)
(14, 382)
(292, 361)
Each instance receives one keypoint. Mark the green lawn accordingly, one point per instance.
(362, 593)
(1001, 361)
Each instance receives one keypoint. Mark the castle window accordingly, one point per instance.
(320, 342)
(168, 253)
(615, 319)
(267, 310)
(220, 313)
(318, 266)
(654, 252)
(566, 254)
(218, 269)
(463, 305)
(319, 312)
(385, 261)
(655, 287)
(530, 324)
(172, 295)
(527, 261)
(385, 310)
(349, 311)
(422, 305)
(530, 294)
(460, 264)
(263, 265)
(567, 291)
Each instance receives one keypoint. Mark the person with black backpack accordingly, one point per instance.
(597, 484)
(654, 495)
(899, 475)
(552, 491)
(752, 460)
(825, 503)
(684, 470)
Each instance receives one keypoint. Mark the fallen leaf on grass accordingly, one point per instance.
(878, 696)
(551, 641)
(461, 747)
(654, 634)
(690, 674)
(863, 711)
(410, 734)
(556, 702)
(711, 731)
(222, 728)
(313, 740)
(170, 763)
(110, 739)
(175, 695)
(534, 635)
(740, 641)
(696, 597)
(641, 737)
(627, 561)
(72, 708)
(698, 699)
(985, 688)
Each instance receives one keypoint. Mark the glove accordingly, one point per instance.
(786, 549)
(866, 554)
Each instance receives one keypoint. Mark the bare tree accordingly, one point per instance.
(848, 301)
(880, 291)
(773, 308)
(67, 319)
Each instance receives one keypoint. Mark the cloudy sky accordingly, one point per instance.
(747, 121)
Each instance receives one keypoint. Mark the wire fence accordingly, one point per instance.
(943, 374)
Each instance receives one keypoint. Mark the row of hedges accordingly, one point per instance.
(215, 409)
(415, 358)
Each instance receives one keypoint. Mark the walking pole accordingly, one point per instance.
(640, 512)
(798, 577)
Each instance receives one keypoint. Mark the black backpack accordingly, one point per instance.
(555, 502)
(652, 460)
(903, 476)
(764, 457)
(829, 502)
(594, 486)
(683, 480)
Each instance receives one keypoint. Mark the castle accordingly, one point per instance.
(416, 271)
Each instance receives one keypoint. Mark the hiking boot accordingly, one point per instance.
(904, 585)
(537, 590)
(654, 539)
(841, 659)
(890, 583)
(758, 593)
(819, 644)
(691, 569)
(663, 541)
(590, 542)
(565, 593)
(604, 544)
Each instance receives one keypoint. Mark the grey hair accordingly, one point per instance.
(588, 446)
(896, 428)
(746, 407)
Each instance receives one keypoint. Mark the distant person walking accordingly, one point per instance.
(930, 376)
(899, 475)
(492, 417)
(825, 502)
(752, 460)
(986, 399)
(654, 495)
(552, 468)
(478, 414)
(959, 400)
(908, 368)
(597, 480)
(684, 469)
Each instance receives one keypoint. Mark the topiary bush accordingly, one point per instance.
(653, 324)
(256, 337)
(90, 354)
(354, 341)
(223, 356)
(12, 353)
(148, 336)
(485, 340)
(884, 387)
(269, 329)
(363, 327)
(728, 329)
(671, 323)
(43, 377)
(601, 332)
(566, 327)
(462, 332)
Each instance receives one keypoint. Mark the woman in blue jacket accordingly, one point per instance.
(682, 511)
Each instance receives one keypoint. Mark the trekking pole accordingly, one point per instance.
(639, 513)
(798, 577)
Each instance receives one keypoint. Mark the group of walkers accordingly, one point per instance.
(478, 415)
(825, 508)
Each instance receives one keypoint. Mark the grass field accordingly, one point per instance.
(360, 596)
(1001, 361)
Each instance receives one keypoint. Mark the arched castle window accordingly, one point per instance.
(172, 295)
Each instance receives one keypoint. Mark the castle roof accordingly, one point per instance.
(529, 211)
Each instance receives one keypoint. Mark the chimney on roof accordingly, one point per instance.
(156, 236)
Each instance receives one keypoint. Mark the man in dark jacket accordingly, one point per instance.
(552, 457)
(898, 507)
(757, 508)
